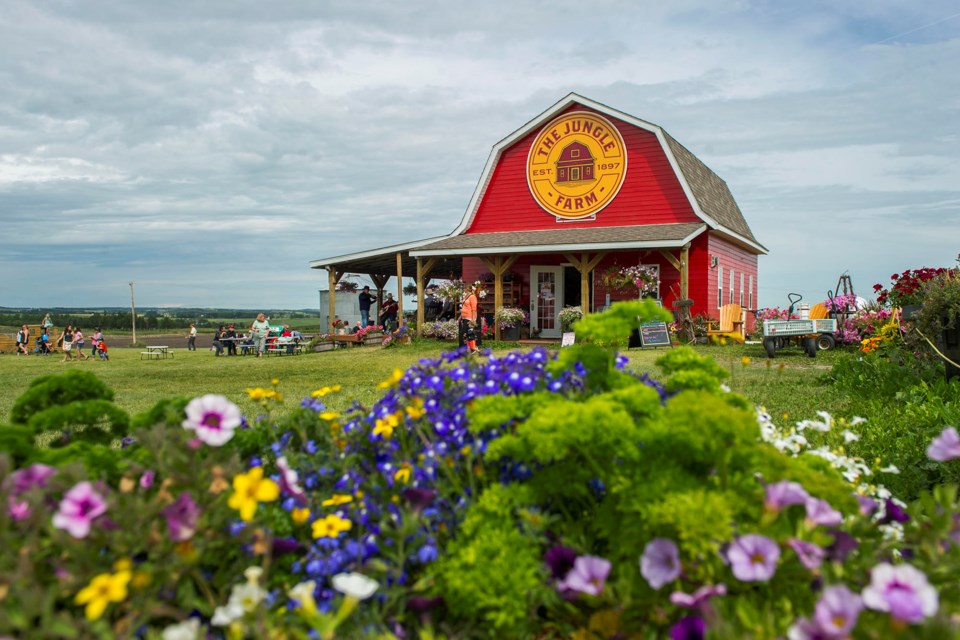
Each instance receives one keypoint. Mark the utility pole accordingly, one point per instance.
(133, 313)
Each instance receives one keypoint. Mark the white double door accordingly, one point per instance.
(546, 300)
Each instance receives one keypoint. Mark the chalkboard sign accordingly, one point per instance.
(654, 334)
(568, 339)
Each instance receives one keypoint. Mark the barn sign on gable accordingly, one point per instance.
(576, 165)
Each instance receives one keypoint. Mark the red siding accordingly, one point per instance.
(651, 192)
(740, 261)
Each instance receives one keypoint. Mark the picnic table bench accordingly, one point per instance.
(156, 352)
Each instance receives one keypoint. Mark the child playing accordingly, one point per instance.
(102, 350)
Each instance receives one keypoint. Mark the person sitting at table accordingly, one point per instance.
(217, 344)
(231, 340)
(246, 343)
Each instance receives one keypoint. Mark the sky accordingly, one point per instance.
(209, 151)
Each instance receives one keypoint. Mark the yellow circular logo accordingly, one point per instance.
(576, 165)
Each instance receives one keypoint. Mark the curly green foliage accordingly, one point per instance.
(167, 412)
(689, 370)
(55, 390)
(101, 461)
(615, 325)
(90, 420)
(17, 442)
(493, 572)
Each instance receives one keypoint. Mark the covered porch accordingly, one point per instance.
(583, 249)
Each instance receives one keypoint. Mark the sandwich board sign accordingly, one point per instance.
(654, 334)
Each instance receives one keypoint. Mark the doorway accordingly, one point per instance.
(546, 300)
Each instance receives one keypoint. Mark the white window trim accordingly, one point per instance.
(750, 295)
(741, 289)
(732, 297)
(719, 287)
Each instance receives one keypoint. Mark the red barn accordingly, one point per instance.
(578, 190)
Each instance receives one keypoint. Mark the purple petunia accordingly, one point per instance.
(689, 628)
(181, 517)
(589, 576)
(945, 447)
(819, 512)
(36, 475)
(213, 418)
(699, 598)
(892, 512)
(901, 590)
(78, 509)
(837, 611)
(784, 493)
(811, 556)
(660, 563)
(559, 559)
(753, 558)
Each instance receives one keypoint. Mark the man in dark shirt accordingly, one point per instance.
(366, 299)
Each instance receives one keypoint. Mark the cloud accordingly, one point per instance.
(211, 151)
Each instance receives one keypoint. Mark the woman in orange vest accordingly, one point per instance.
(468, 320)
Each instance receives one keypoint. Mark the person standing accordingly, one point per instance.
(65, 340)
(366, 299)
(47, 323)
(259, 330)
(192, 338)
(78, 343)
(95, 342)
(23, 339)
(468, 320)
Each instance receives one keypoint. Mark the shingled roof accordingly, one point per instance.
(576, 239)
(710, 191)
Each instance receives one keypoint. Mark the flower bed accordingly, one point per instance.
(529, 495)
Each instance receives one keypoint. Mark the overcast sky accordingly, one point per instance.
(209, 150)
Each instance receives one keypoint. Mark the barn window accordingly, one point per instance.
(751, 292)
(719, 287)
(732, 297)
(741, 288)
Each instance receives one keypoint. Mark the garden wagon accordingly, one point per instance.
(813, 334)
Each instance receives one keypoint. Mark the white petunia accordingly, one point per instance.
(355, 585)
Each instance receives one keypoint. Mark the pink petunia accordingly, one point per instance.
(78, 509)
(289, 481)
(213, 418)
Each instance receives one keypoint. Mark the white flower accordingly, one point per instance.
(849, 436)
(252, 574)
(247, 596)
(890, 468)
(225, 616)
(303, 590)
(355, 585)
(186, 630)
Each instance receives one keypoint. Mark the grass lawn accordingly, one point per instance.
(789, 384)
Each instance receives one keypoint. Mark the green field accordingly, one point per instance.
(788, 384)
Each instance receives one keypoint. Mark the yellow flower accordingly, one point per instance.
(102, 590)
(300, 516)
(319, 393)
(329, 415)
(392, 380)
(275, 381)
(260, 394)
(385, 426)
(402, 474)
(250, 489)
(330, 527)
(745, 360)
(336, 500)
(416, 410)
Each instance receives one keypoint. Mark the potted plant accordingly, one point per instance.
(322, 343)
(509, 320)
(339, 326)
(569, 315)
(370, 335)
(639, 281)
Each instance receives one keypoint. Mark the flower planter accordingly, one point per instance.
(323, 346)
(510, 335)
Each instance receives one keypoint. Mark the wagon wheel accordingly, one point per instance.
(770, 345)
(825, 342)
(810, 347)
